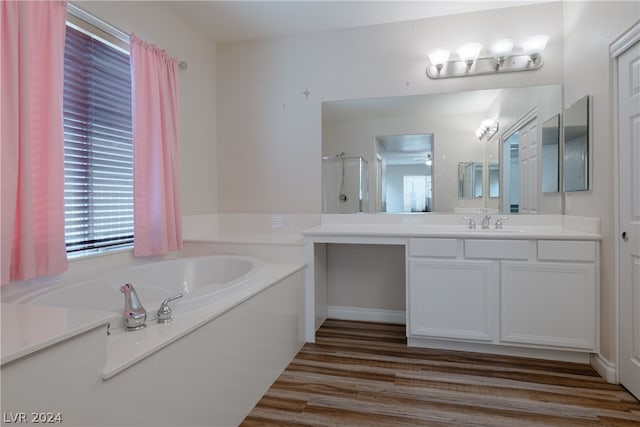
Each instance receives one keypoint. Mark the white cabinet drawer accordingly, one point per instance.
(439, 248)
(565, 250)
(497, 249)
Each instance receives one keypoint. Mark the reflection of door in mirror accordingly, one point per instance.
(494, 180)
(511, 173)
(529, 167)
(520, 176)
(407, 162)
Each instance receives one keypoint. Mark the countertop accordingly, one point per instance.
(29, 328)
(451, 231)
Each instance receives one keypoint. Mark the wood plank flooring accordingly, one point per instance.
(360, 373)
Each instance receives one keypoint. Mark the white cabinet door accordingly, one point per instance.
(549, 304)
(452, 299)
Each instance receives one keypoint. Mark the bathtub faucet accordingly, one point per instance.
(134, 313)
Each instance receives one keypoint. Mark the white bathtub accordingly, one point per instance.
(240, 322)
(201, 280)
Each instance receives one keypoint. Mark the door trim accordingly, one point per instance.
(627, 39)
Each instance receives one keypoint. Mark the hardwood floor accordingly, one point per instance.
(361, 373)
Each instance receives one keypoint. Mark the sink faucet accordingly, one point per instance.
(485, 221)
(134, 313)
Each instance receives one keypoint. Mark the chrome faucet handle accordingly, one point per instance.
(164, 312)
(472, 222)
(499, 222)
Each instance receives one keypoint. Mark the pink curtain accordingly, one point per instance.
(157, 217)
(32, 38)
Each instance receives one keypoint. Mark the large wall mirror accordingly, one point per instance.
(576, 147)
(414, 147)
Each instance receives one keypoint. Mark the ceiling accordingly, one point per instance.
(230, 21)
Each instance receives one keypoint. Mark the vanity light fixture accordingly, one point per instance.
(487, 128)
(504, 58)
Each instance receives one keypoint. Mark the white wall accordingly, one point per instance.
(197, 93)
(589, 29)
(269, 133)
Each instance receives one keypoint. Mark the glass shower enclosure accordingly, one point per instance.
(344, 184)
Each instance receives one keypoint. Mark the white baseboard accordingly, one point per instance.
(605, 368)
(367, 314)
(507, 350)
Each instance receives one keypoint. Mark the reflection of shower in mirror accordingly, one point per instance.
(344, 184)
(342, 197)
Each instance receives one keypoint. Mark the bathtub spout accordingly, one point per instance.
(134, 313)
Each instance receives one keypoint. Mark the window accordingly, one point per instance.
(98, 149)
(416, 191)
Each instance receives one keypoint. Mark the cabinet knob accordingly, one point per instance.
(625, 237)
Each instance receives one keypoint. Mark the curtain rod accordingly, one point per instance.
(116, 32)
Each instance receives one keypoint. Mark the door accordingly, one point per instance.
(529, 167)
(629, 216)
(510, 188)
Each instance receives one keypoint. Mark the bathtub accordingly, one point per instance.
(241, 321)
(201, 280)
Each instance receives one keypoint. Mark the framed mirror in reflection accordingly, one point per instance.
(575, 165)
(470, 180)
(413, 145)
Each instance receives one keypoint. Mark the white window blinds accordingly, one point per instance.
(98, 146)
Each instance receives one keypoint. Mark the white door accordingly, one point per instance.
(629, 239)
(529, 167)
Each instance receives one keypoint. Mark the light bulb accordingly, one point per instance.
(501, 48)
(439, 57)
(487, 123)
(534, 45)
(469, 51)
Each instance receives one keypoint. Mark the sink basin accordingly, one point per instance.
(496, 230)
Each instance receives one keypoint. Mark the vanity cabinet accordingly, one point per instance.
(548, 304)
(534, 293)
(452, 299)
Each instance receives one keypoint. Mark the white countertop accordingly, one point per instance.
(28, 328)
(451, 231)
(294, 239)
